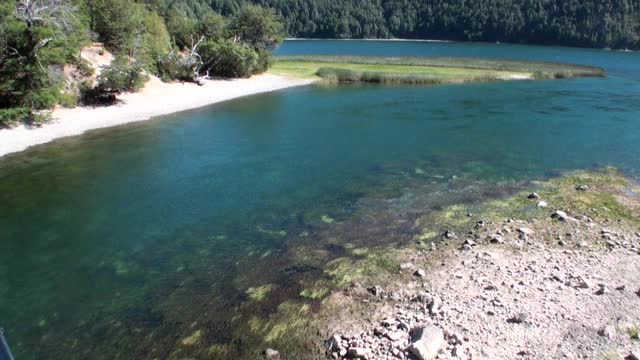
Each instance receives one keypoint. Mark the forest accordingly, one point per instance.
(41, 40)
(584, 23)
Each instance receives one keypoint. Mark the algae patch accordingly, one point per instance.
(193, 339)
(260, 292)
(327, 219)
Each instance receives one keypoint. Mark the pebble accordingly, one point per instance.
(533, 196)
(543, 204)
(358, 352)
(608, 331)
(375, 290)
(526, 231)
(582, 188)
(560, 215)
(602, 289)
(271, 354)
(406, 265)
(519, 318)
(420, 273)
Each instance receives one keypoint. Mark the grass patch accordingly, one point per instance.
(422, 70)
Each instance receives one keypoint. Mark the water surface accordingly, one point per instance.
(123, 242)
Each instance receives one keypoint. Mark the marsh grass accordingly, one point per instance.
(340, 75)
(423, 70)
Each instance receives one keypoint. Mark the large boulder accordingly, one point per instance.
(426, 342)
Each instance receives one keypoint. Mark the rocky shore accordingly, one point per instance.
(563, 281)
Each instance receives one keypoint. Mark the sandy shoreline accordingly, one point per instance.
(157, 98)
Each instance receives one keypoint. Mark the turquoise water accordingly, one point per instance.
(123, 242)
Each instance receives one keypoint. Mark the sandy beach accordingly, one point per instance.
(157, 98)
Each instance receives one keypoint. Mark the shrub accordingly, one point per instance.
(122, 75)
(174, 66)
(12, 116)
(226, 58)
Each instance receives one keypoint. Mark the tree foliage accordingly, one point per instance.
(38, 36)
(176, 39)
(590, 23)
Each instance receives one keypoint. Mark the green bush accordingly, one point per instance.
(68, 100)
(12, 116)
(122, 75)
(225, 58)
(174, 66)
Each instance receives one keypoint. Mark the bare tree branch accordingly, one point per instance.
(58, 13)
(195, 60)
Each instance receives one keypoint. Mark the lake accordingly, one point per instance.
(186, 235)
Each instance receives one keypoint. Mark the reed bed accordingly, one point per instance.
(424, 70)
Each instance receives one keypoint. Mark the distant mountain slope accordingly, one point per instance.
(589, 23)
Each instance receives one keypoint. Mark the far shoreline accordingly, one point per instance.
(156, 99)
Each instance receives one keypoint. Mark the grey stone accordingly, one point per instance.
(634, 355)
(558, 276)
(272, 354)
(375, 290)
(608, 331)
(582, 188)
(602, 289)
(406, 265)
(395, 336)
(420, 273)
(358, 352)
(560, 215)
(333, 344)
(533, 196)
(450, 234)
(543, 204)
(434, 307)
(526, 231)
(427, 341)
(519, 318)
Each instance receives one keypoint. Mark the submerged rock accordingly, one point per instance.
(426, 342)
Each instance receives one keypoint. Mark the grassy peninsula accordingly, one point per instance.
(423, 70)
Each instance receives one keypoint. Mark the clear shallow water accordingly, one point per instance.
(114, 243)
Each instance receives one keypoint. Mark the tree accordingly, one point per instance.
(34, 39)
(258, 27)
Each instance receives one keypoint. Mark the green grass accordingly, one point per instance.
(420, 70)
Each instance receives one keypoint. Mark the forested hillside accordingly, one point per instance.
(589, 23)
(41, 41)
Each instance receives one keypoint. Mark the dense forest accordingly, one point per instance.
(588, 23)
(41, 41)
